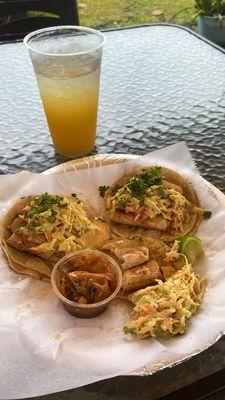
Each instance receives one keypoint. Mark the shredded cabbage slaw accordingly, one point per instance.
(63, 224)
(163, 310)
(171, 204)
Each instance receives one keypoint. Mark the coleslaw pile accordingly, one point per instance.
(162, 310)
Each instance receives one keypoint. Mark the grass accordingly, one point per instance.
(117, 13)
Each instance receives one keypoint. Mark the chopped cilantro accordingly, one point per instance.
(137, 187)
(102, 190)
(140, 184)
(127, 330)
(122, 203)
(161, 191)
(152, 177)
(207, 214)
(47, 200)
(32, 213)
(53, 212)
(31, 225)
(43, 203)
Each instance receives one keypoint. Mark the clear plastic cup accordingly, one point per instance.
(71, 262)
(67, 62)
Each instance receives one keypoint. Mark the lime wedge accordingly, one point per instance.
(191, 247)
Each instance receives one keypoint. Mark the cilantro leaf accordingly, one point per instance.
(207, 214)
(122, 203)
(31, 225)
(102, 190)
(161, 191)
(152, 177)
(137, 187)
(43, 203)
(140, 184)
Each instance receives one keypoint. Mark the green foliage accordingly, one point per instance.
(210, 7)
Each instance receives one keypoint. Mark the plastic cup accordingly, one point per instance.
(67, 62)
(70, 263)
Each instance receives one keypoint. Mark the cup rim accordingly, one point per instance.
(91, 305)
(65, 27)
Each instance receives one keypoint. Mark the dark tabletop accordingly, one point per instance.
(159, 85)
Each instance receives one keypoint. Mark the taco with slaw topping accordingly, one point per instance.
(144, 260)
(38, 230)
(152, 201)
(163, 310)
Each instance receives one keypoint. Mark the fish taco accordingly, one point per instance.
(143, 260)
(38, 230)
(163, 310)
(152, 201)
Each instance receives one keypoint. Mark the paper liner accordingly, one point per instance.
(44, 349)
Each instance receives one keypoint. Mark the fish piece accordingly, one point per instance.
(139, 277)
(132, 256)
(158, 223)
(168, 201)
(24, 240)
(41, 252)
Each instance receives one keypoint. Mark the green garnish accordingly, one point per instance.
(131, 331)
(102, 190)
(161, 335)
(161, 191)
(45, 202)
(32, 225)
(137, 187)
(152, 177)
(207, 214)
(140, 184)
(122, 203)
(42, 204)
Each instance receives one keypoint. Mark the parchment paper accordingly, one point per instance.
(43, 349)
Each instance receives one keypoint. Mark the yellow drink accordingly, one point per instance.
(71, 104)
(66, 61)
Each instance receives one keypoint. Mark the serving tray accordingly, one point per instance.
(107, 159)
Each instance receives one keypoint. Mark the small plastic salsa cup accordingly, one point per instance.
(84, 310)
